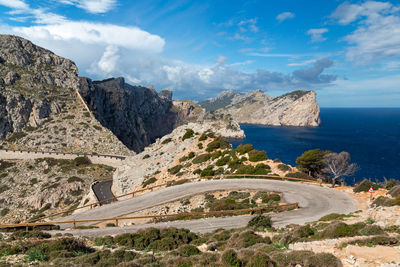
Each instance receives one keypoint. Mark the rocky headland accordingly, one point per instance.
(298, 108)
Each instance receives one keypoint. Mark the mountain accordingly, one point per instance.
(298, 108)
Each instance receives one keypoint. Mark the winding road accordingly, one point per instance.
(314, 201)
(102, 190)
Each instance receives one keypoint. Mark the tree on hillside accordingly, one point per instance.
(337, 166)
(311, 161)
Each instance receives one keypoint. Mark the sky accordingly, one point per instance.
(348, 51)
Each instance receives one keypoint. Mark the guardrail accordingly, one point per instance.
(133, 193)
(154, 217)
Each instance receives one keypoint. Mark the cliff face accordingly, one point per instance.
(39, 105)
(136, 115)
(298, 108)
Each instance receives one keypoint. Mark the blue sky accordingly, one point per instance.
(348, 51)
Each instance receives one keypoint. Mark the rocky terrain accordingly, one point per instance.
(190, 151)
(34, 188)
(39, 105)
(298, 108)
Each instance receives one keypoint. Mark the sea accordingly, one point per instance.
(370, 135)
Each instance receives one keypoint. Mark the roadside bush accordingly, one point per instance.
(372, 230)
(26, 235)
(188, 134)
(334, 216)
(82, 161)
(219, 142)
(256, 155)
(245, 169)
(175, 169)
(149, 181)
(243, 149)
(301, 175)
(384, 201)
(197, 171)
(246, 239)
(284, 167)
(34, 254)
(223, 161)
(260, 260)
(340, 229)
(201, 158)
(207, 172)
(260, 221)
(364, 186)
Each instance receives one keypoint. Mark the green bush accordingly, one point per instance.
(243, 149)
(260, 221)
(372, 230)
(188, 134)
(200, 146)
(146, 156)
(223, 161)
(364, 186)
(34, 254)
(305, 258)
(166, 141)
(82, 161)
(260, 260)
(149, 181)
(300, 175)
(339, 229)
(245, 169)
(197, 171)
(334, 216)
(256, 155)
(75, 179)
(207, 172)
(203, 137)
(375, 241)
(189, 250)
(175, 169)
(311, 161)
(230, 258)
(218, 142)
(201, 158)
(4, 188)
(391, 183)
(284, 167)
(5, 165)
(15, 136)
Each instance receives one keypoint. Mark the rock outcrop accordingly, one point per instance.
(136, 115)
(298, 108)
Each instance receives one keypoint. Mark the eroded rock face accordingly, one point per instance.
(136, 115)
(31, 78)
(298, 108)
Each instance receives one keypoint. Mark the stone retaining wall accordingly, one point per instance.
(110, 160)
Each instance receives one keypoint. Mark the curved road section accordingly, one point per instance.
(102, 190)
(314, 202)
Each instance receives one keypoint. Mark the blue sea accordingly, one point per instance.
(370, 135)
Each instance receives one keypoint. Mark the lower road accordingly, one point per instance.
(102, 190)
(314, 201)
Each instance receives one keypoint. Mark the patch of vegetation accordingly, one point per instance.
(335, 216)
(300, 175)
(175, 169)
(223, 161)
(82, 161)
(260, 221)
(364, 186)
(149, 181)
(243, 149)
(4, 212)
(375, 241)
(256, 155)
(4, 188)
(15, 137)
(218, 143)
(386, 202)
(74, 179)
(146, 156)
(311, 161)
(189, 156)
(207, 171)
(201, 158)
(395, 191)
(5, 165)
(284, 167)
(188, 134)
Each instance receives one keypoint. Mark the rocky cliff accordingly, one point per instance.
(39, 105)
(136, 115)
(298, 108)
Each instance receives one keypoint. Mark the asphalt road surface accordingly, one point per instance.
(102, 190)
(314, 201)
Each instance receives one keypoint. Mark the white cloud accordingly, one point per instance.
(248, 25)
(378, 33)
(109, 59)
(92, 6)
(316, 34)
(284, 16)
(302, 63)
(95, 33)
(18, 4)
